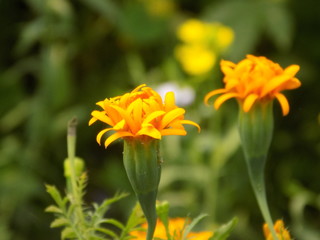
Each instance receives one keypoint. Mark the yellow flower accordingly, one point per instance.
(255, 79)
(176, 229)
(193, 31)
(201, 43)
(140, 113)
(195, 59)
(281, 231)
(225, 36)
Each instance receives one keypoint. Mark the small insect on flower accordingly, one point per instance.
(140, 114)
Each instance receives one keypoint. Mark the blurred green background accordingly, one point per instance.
(59, 57)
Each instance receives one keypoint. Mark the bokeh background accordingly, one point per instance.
(59, 57)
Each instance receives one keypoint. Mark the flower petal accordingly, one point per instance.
(173, 131)
(115, 136)
(152, 116)
(92, 121)
(249, 101)
(292, 70)
(102, 117)
(137, 89)
(169, 101)
(101, 104)
(283, 103)
(136, 109)
(170, 116)
(292, 84)
(224, 98)
(120, 125)
(99, 136)
(191, 123)
(124, 114)
(149, 130)
(275, 83)
(212, 93)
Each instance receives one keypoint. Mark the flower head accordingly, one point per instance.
(255, 79)
(195, 59)
(202, 42)
(281, 231)
(176, 229)
(140, 113)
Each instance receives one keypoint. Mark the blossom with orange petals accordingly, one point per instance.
(140, 113)
(176, 230)
(255, 79)
(281, 231)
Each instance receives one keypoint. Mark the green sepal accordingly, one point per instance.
(256, 130)
(142, 162)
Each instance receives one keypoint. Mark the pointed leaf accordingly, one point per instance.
(192, 224)
(59, 222)
(107, 232)
(224, 231)
(68, 233)
(53, 209)
(113, 222)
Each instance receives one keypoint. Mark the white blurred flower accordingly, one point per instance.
(184, 95)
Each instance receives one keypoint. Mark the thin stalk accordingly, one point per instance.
(71, 142)
(258, 185)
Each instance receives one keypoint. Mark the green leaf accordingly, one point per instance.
(59, 222)
(224, 231)
(135, 218)
(113, 222)
(55, 194)
(192, 224)
(53, 209)
(163, 212)
(104, 206)
(68, 233)
(107, 232)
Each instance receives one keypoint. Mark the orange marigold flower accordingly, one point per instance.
(176, 229)
(281, 231)
(255, 79)
(140, 113)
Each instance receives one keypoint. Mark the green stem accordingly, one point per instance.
(71, 140)
(256, 173)
(256, 129)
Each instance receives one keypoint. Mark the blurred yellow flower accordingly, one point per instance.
(193, 31)
(140, 113)
(255, 79)
(195, 59)
(176, 229)
(225, 36)
(201, 43)
(281, 231)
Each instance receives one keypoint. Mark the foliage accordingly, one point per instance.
(58, 57)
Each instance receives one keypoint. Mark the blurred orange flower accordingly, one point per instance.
(176, 229)
(255, 79)
(281, 231)
(140, 113)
